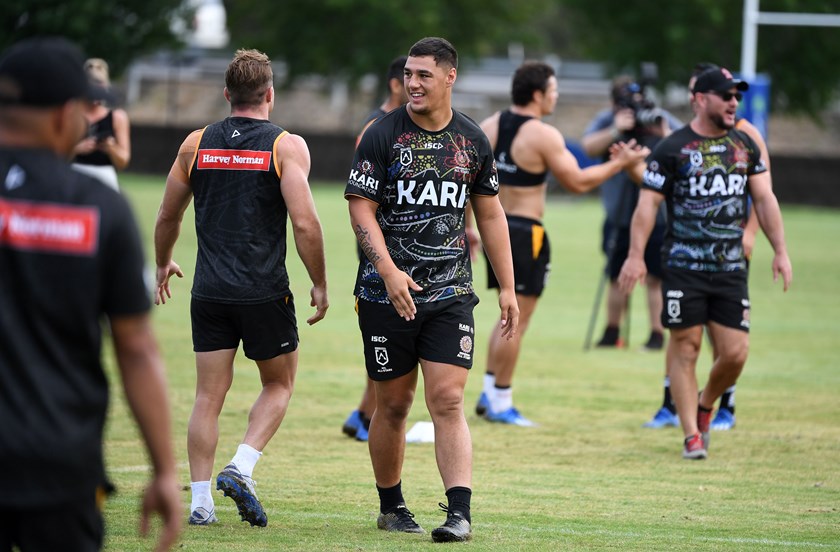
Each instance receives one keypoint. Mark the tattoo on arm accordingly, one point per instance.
(363, 235)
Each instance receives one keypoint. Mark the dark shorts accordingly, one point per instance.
(75, 526)
(617, 254)
(442, 331)
(531, 256)
(692, 298)
(265, 329)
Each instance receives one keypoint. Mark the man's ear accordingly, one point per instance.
(226, 94)
(451, 75)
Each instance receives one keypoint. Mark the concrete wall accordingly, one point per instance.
(796, 179)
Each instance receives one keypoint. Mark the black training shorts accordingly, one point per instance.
(442, 331)
(692, 298)
(531, 256)
(616, 246)
(265, 329)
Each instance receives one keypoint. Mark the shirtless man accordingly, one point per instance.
(525, 149)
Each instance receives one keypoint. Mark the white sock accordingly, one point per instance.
(489, 385)
(502, 399)
(201, 497)
(245, 459)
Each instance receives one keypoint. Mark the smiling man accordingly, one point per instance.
(413, 172)
(705, 171)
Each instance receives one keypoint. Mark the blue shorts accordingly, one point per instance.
(266, 330)
(442, 331)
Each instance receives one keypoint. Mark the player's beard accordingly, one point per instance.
(718, 121)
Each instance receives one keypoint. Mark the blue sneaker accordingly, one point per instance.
(511, 416)
(724, 420)
(362, 433)
(353, 423)
(241, 490)
(483, 404)
(200, 516)
(663, 418)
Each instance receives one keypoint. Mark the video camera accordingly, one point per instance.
(632, 96)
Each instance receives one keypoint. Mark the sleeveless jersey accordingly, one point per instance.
(705, 183)
(510, 174)
(101, 129)
(422, 181)
(240, 214)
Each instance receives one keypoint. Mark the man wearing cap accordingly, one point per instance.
(704, 172)
(70, 256)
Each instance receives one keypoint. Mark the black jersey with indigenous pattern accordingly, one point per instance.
(240, 214)
(705, 182)
(422, 181)
(511, 174)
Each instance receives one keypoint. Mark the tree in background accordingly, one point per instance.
(801, 61)
(118, 30)
(350, 38)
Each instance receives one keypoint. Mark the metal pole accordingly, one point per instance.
(749, 41)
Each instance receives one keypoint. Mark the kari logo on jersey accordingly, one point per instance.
(49, 228)
(360, 176)
(717, 185)
(653, 179)
(233, 160)
(438, 194)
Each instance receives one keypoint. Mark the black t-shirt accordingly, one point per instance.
(69, 253)
(422, 181)
(240, 214)
(99, 130)
(706, 184)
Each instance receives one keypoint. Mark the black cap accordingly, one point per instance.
(718, 80)
(45, 72)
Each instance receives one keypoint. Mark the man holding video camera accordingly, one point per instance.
(632, 116)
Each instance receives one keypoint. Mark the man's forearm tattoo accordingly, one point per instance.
(363, 235)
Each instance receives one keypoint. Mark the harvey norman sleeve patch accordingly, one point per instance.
(49, 228)
(233, 160)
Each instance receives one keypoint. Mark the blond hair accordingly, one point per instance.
(97, 71)
(248, 77)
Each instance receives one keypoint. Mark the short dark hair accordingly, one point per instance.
(530, 77)
(439, 48)
(395, 70)
(248, 78)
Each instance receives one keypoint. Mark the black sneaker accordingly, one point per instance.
(454, 529)
(399, 519)
(655, 342)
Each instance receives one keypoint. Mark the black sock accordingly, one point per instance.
(668, 401)
(390, 498)
(365, 420)
(727, 400)
(459, 501)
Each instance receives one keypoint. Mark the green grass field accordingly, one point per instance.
(589, 477)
